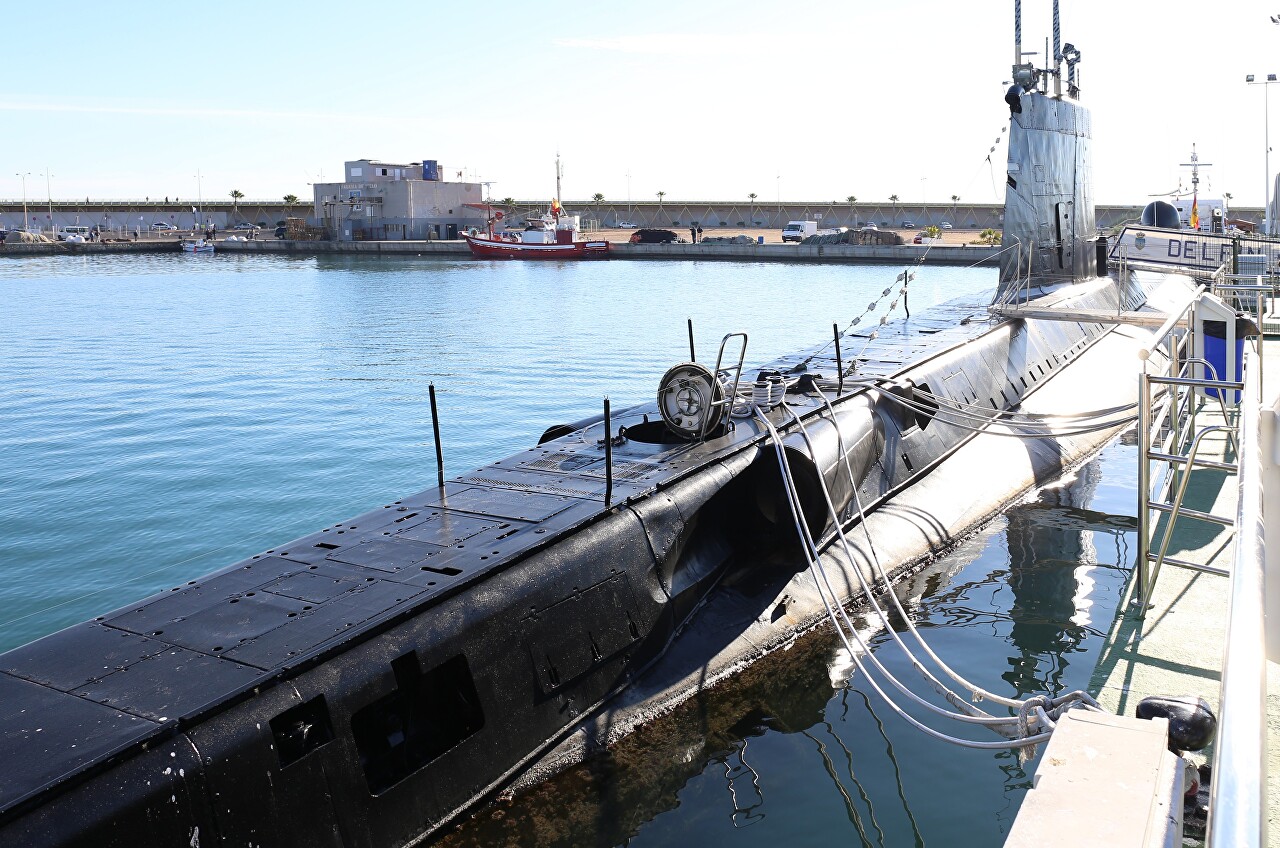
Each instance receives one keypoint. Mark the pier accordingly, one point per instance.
(965, 255)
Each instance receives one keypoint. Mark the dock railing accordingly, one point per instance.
(1171, 437)
(1168, 434)
(1237, 797)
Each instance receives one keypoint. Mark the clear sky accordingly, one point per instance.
(703, 100)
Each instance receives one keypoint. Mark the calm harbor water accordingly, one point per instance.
(163, 416)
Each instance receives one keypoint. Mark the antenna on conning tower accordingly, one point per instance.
(1026, 75)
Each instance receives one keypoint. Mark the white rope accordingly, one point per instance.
(978, 691)
(814, 558)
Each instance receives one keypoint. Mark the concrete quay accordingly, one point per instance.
(906, 253)
(949, 254)
(61, 248)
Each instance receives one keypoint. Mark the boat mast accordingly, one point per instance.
(556, 205)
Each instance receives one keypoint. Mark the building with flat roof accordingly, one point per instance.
(387, 200)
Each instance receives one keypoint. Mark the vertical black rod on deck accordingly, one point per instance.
(835, 328)
(693, 357)
(435, 429)
(608, 455)
(905, 308)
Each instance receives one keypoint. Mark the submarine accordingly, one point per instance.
(366, 684)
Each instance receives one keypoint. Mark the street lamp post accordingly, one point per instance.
(1266, 140)
(25, 225)
(199, 202)
(49, 196)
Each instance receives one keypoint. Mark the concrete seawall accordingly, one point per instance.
(61, 248)
(937, 255)
(905, 253)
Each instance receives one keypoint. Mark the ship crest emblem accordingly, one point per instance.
(1140, 240)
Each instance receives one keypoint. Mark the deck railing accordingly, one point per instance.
(1237, 797)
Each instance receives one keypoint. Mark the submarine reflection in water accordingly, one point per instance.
(1053, 557)
(795, 747)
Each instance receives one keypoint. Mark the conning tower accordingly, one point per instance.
(1048, 212)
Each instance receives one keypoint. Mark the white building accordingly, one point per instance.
(388, 200)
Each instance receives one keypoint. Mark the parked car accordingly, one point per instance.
(627, 225)
(162, 226)
(649, 235)
(919, 239)
(869, 228)
(908, 225)
(946, 225)
(244, 225)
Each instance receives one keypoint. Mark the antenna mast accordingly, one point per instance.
(1195, 165)
(558, 173)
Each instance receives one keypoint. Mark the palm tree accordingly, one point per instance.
(236, 194)
(661, 195)
(509, 202)
(291, 199)
(753, 197)
(597, 197)
(853, 216)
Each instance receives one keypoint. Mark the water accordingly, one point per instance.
(166, 415)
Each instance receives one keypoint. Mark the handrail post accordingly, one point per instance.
(835, 329)
(435, 430)
(608, 454)
(1144, 494)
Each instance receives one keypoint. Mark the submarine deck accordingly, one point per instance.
(88, 695)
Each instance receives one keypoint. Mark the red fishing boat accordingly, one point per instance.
(556, 239)
(554, 235)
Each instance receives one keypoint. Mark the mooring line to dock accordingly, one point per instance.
(832, 604)
(1040, 711)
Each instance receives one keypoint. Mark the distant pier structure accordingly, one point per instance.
(721, 213)
(143, 213)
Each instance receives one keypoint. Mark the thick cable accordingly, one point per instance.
(978, 691)
(814, 558)
(974, 713)
(983, 422)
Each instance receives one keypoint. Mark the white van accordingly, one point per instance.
(83, 232)
(799, 230)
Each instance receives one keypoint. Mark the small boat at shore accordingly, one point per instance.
(198, 245)
(554, 235)
(551, 237)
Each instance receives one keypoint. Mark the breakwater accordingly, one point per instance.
(61, 248)
(964, 255)
(937, 255)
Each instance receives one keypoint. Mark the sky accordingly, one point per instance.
(807, 101)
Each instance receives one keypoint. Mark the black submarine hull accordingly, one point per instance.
(362, 685)
(363, 691)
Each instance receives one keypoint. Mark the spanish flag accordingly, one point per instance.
(1195, 213)
(556, 209)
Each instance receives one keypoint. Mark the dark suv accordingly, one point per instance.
(653, 236)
